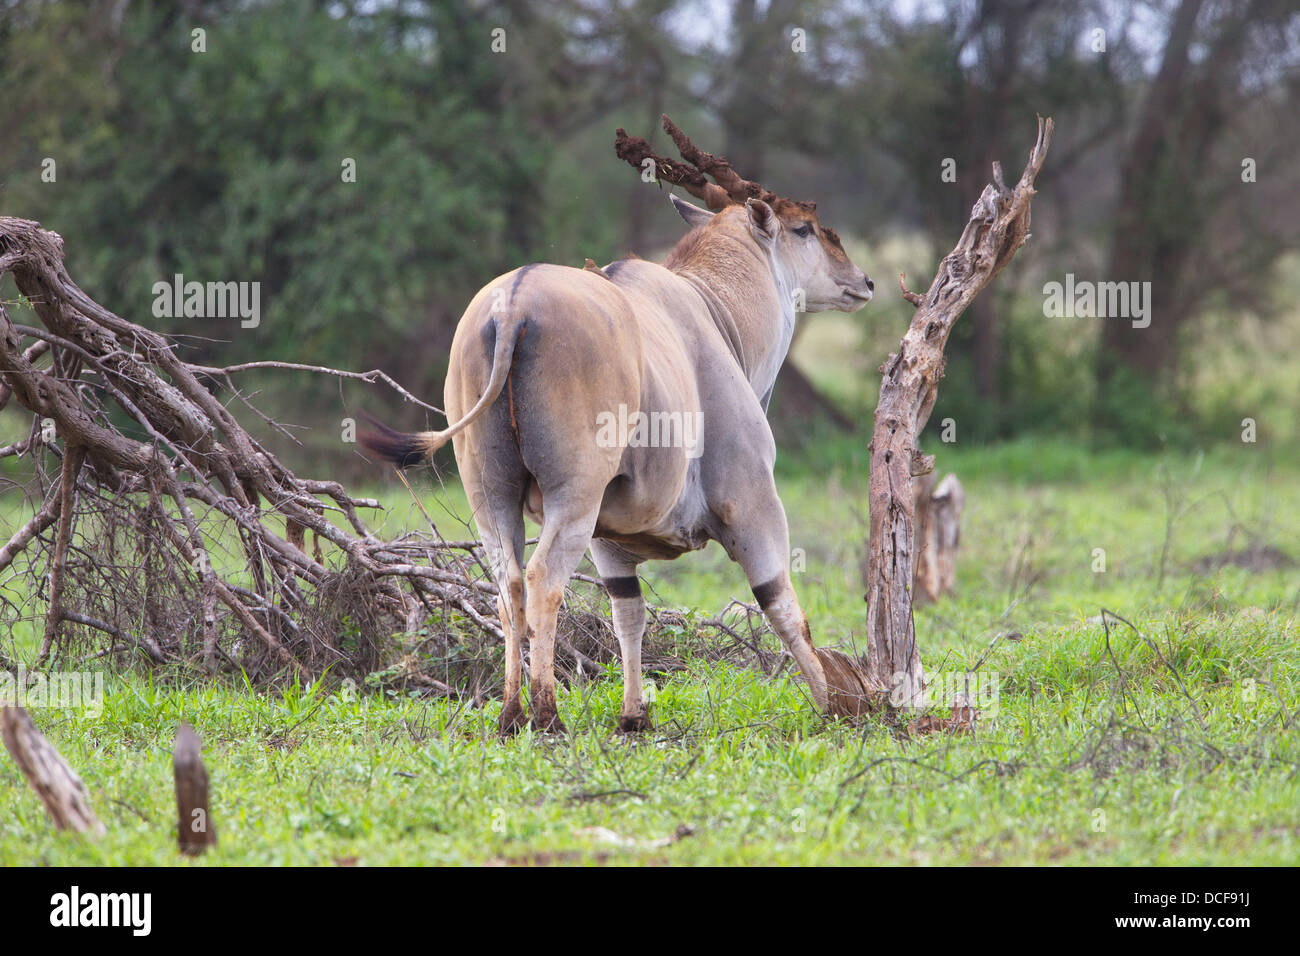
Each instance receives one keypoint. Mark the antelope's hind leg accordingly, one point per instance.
(500, 522)
(506, 562)
(510, 608)
(565, 538)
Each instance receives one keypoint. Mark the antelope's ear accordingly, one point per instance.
(693, 214)
(762, 221)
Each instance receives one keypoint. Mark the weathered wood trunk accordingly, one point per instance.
(56, 783)
(998, 226)
(938, 532)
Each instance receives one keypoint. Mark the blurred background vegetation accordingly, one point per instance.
(1174, 163)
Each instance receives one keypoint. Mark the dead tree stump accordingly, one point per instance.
(938, 532)
(194, 827)
(891, 670)
(56, 783)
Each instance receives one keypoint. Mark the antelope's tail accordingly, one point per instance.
(405, 449)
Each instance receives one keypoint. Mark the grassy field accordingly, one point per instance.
(1172, 741)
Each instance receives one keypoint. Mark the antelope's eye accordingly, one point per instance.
(803, 232)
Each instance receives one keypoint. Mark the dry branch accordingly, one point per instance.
(195, 829)
(56, 783)
(72, 460)
(998, 227)
(44, 517)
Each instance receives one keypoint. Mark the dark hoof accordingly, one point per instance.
(512, 720)
(546, 718)
(635, 725)
(549, 725)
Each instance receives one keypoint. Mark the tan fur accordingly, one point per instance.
(702, 335)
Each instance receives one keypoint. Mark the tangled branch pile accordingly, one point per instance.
(162, 527)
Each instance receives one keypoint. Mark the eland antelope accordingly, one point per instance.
(624, 410)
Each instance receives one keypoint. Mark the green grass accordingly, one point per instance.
(1172, 744)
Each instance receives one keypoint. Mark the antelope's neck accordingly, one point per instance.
(750, 303)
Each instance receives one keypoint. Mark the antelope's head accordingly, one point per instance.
(807, 256)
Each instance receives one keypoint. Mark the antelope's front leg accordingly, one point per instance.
(776, 597)
(760, 543)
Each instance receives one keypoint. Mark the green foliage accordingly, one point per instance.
(227, 165)
(1134, 411)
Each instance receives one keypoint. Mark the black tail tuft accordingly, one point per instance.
(401, 448)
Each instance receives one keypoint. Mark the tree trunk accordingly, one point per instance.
(892, 671)
(1165, 205)
(636, 237)
(938, 532)
(1136, 240)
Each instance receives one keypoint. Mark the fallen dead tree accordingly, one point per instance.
(891, 671)
(161, 527)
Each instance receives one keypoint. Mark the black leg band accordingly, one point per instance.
(767, 592)
(629, 587)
